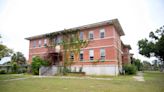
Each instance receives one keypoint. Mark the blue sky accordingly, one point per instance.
(23, 18)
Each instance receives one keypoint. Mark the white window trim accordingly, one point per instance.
(45, 42)
(81, 52)
(71, 56)
(91, 32)
(34, 44)
(81, 36)
(100, 31)
(39, 43)
(101, 53)
(91, 54)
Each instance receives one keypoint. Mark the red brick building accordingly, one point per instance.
(104, 45)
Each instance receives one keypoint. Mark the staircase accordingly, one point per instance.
(48, 71)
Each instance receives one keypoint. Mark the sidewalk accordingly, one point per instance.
(139, 77)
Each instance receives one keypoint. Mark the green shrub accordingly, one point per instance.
(2, 72)
(37, 62)
(15, 67)
(130, 69)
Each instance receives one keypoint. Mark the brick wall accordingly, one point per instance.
(111, 43)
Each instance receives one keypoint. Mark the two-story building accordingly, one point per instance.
(104, 44)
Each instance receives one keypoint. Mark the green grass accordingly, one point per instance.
(154, 83)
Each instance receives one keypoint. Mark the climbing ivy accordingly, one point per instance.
(70, 43)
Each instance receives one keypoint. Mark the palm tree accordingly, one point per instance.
(18, 58)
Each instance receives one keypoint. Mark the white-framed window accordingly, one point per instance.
(102, 54)
(58, 40)
(45, 42)
(40, 43)
(34, 44)
(91, 35)
(102, 33)
(91, 54)
(81, 55)
(71, 56)
(81, 35)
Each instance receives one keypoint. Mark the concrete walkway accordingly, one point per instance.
(139, 77)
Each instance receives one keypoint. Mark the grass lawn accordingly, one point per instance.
(154, 83)
(12, 76)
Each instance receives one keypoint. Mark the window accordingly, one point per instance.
(91, 35)
(45, 42)
(81, 35)
(91, 55)
(81, 55)
(34, 44)
(40, 43)
(102, 33)
(58, 40)
(102, 54)
(71, 56)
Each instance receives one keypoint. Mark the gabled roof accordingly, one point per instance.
(114, 22)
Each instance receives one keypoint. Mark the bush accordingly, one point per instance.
(37, 62)
(2, 72)
(130, 69)
(15, 67)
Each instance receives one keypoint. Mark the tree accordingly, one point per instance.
(154, 47)
(146, 65)
(18, 58)
(4, 51)
(138, 64)
(37, 63)
(155, 65)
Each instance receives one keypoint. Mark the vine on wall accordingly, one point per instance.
(70, 43)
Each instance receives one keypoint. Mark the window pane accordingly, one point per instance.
(91, 35)
(81, 35)
(45, 42)
(40, 43)
(81, 55)
(34, 44)
(102, 54)
(58, 40)
(91, 54)
(71, 56)
(102, 33)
